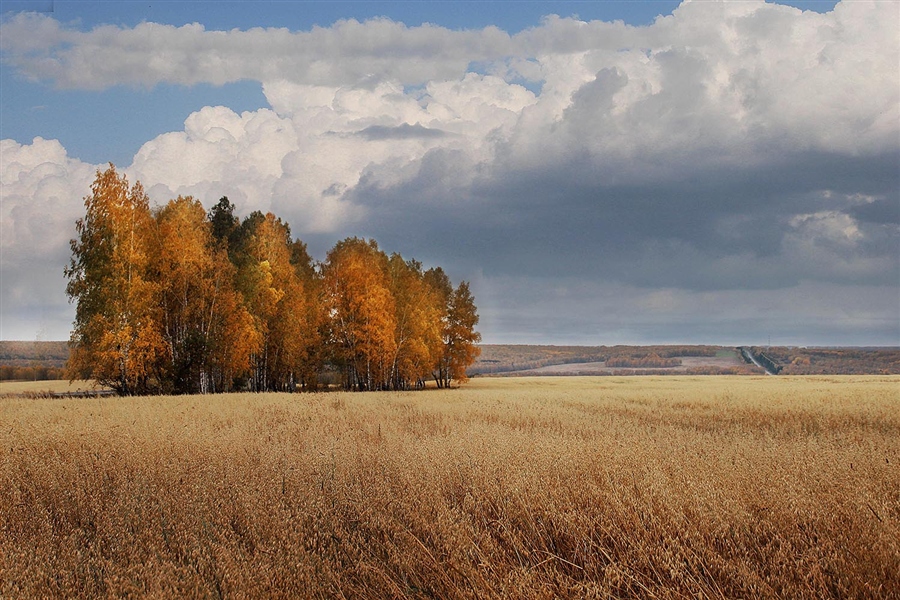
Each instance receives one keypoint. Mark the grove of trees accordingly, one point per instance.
(649, 361)
(180, 300)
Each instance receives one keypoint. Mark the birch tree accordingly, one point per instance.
(360, 308)
(417, 333)
(459, 340)
(208, 332)
(115, 338)
(275, 297)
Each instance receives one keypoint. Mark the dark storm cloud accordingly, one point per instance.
(885, 211)
(754, 228)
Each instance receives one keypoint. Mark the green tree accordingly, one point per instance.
(224, 224)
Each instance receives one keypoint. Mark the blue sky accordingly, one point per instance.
(629, 172)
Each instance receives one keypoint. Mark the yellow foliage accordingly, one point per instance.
(181, 301)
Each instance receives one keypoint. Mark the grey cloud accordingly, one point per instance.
(152, 53)
(597, 95)
(881, 211)
(713, 230)
(33, 300)
(573, 311)
(377, 133)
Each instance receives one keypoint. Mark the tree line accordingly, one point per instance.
(180, 300)
(648, 361)
(31, 373)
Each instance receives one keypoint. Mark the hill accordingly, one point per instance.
(511, 359)
(53, 354)
(507, 359)
(33, 361)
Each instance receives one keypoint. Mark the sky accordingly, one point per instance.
(601, 172)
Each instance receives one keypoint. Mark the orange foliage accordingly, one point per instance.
(116, 339)
(208, 332)
(362, 309)
(182, 301)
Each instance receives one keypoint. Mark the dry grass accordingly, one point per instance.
(45, 388)
(670, 487)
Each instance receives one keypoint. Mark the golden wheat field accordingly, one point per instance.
(669, 487)
(45, 388)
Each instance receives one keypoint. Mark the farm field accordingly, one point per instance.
(686, 360)
(51, 386)
(603, 487)
(600, 368)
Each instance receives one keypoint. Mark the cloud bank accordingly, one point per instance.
(728, 157)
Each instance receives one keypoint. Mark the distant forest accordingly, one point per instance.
(46, 360)
(642, 360)
(33, 361)
(836, 361)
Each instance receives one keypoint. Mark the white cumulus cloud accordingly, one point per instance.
(42, 196)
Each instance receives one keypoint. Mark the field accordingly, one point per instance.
(691, 360)
(600, 368)
(607, 487)
(45, 388)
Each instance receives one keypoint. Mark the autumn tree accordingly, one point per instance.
(209, 334)
(417, 333)
(360, 307)
(116, 336)
(187, 301)
(459, 340)
(316, 320)
(442, 288)
(274, 295)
